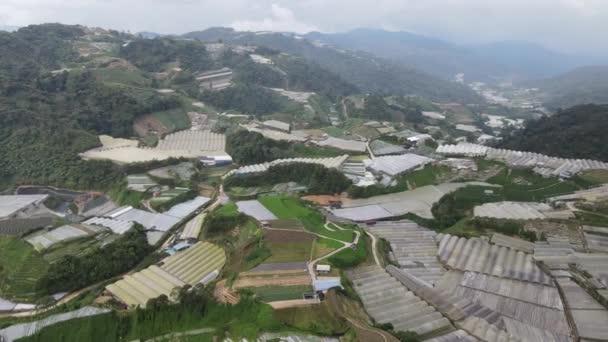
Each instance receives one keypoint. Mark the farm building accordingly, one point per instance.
(273, 134)
(343, 144)
(150, 221)
(200, 263)
(18, 206)
(512, 242)
(413, 248)
(140, 183)
(395, 165)
(215, 79)
(192, 229)
(184, 209)
(216, 160)
(541, 164)
(381, 148)
(197, 143)
(514, 210)
(256, 210)
(467, 128)
(116, 226)
(45, 239)
(388, 301)
(277, 125)
(22, 226)
(334, 162)
(418, 201)
(434, 115)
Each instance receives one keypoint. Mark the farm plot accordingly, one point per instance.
(288, 246)
(274, 274)
(168, 195)
(22, 266)
(184, 171)
(285, 207)
(279, 293)
(192, 230)
(140, 182)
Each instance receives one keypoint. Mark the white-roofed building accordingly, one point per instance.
(12, 205)
(330, 163)
(277, 125)
(395, 165)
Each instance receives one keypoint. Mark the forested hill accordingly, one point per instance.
(578, 132)
(368, 72)
(579, 86)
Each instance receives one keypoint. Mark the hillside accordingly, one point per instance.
(366, 71)
(487, 62)
(578, 132)
(579, 86)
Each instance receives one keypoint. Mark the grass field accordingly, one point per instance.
(323, 247)
(21, 267)
(277, 293)
(595, 176)
(285, 207)
(288, 251)
(426, 176)
(173, 119)
(319, 319)
(228, 209)
(524, 185)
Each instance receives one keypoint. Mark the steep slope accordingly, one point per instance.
(368, 72)
(486, 62)
(579, 86)
(578, 132)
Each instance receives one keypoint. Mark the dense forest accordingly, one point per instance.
(366, 72)
(72, 273)
(580, 86)
(578, 132)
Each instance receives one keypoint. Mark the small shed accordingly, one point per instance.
(323, 269)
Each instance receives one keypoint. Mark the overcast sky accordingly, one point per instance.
(578, 26)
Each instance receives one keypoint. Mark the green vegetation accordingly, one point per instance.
(76, 272)
(77, 247)
(253, 148)
(154, 54)
(21, 268)
(285, 207)
(592, 219)
(507, 227)
(123, 196)
(318, 319)
(577, 87)
(369, 74)
(244, 98)
(278, 293)
(527, 186)
(578, 132)
(169, 198)
(196, 310)
(224, 219)
(174, 119)
(289, 251)
(46, 119)
(455, 206)
(351, 257)
(595, 176)
(120, 76)
(317, 178)
(429, 175)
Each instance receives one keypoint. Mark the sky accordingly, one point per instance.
(575, 26)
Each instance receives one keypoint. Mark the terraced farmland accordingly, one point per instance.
(279, 293)
(21, 268)
(388, 301)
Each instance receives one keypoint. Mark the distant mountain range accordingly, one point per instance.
(367, 71)
(500, 61)
(579, 86)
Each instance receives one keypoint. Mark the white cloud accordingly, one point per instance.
(281, 19)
